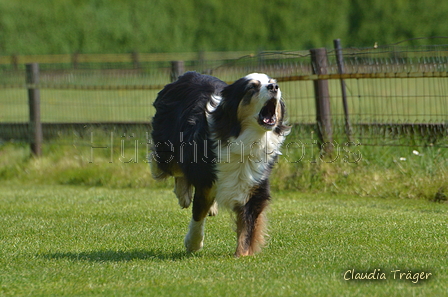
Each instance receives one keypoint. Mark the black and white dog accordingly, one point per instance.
(222, 140)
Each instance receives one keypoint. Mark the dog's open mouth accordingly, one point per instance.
(267, 116)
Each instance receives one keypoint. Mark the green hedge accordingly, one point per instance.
(120, 26)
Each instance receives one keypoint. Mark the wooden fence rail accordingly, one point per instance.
(135, 58)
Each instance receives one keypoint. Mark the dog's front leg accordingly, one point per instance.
(251, 222)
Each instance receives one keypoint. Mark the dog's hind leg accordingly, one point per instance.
(213, 210)
(203, 201)
(156, 171)
(183, 191)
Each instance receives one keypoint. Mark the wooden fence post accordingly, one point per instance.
(135, 59)
(15, 61)
(35, 126)
(201, 61)
(75, 58)
(341, 70)
(177, 69)
(322, 99)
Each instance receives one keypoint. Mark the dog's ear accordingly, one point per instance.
(225, 116)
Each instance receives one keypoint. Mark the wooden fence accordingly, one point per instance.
(322, 71)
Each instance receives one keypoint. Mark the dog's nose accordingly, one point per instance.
(273, 88)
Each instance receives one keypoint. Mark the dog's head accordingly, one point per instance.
(252, 102)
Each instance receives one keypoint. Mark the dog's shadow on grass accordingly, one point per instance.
(121, 256)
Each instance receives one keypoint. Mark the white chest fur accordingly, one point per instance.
(243, 163)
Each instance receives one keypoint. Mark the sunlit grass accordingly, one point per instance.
(65, 240)
(91, 221)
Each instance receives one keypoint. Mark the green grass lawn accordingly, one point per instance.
(73, 240)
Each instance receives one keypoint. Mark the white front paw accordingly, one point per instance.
(194, 241)
(193, 245)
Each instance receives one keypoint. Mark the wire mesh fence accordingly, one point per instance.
(394, 95)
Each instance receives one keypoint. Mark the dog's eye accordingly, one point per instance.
(253, 86)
